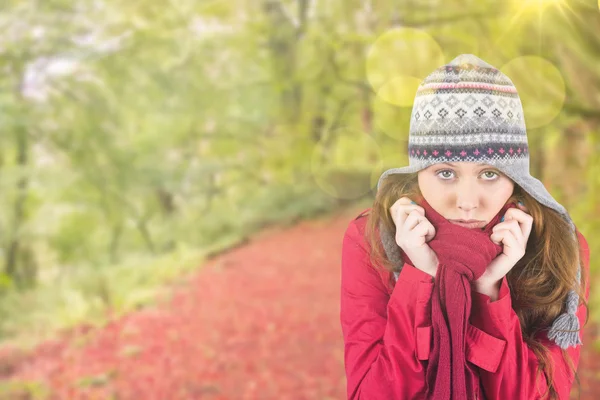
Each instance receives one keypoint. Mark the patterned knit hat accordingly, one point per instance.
(467, 110)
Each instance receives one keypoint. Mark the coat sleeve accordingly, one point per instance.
(508, 369)
(385, 334)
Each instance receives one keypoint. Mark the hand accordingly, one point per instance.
(513, 234)
(413, 231)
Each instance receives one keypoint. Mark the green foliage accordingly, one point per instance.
(97, 380)
(160, 132)
(10, 390)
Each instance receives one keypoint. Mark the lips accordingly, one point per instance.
(471, 224)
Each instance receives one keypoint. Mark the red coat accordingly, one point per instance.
(387, 333)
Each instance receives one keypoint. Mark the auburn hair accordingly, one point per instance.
(539, 282)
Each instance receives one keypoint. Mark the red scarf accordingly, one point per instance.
(463, 255)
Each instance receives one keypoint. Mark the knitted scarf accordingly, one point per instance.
(463, 256)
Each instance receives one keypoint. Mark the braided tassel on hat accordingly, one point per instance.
(565, 328)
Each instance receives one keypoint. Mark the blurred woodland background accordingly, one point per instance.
(139, 137)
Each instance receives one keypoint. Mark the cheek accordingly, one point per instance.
(433, 190)
(499, 194)
(507, 188)
(426, 185)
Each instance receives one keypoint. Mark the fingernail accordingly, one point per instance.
(502, 220)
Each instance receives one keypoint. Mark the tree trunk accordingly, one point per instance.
(11, 266)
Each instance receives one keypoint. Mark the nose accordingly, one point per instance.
(467, 200)
(467, 209)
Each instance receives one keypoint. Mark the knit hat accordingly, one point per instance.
(467, 110)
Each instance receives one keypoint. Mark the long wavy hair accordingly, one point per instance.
(538, 283)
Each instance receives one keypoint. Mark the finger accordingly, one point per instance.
(525, 220)
(418, 209)
(423, 228)
(404, 200)
(528, 225)
(407, 202)
(398, 212)
(403, 207)
(516, 228)
(496, 237)
(499, 232)
(507, 238)
(511, 242)
(499, 237)
(404, 212)
(511, 225)
(430, 233)
(412, 220)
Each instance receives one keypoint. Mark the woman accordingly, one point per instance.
(435, 308)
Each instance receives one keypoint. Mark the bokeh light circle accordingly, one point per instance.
(403, 53)
(393, 120)
(541, 88)
(399, 90)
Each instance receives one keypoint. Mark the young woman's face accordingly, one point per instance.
(465, 191)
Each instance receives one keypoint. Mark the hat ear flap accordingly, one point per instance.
(391, 248)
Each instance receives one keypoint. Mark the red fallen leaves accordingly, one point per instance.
(260, 322)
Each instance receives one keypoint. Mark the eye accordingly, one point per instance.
(492, 176)
(445, 177)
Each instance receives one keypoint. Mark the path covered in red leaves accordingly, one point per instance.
(259, 322)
